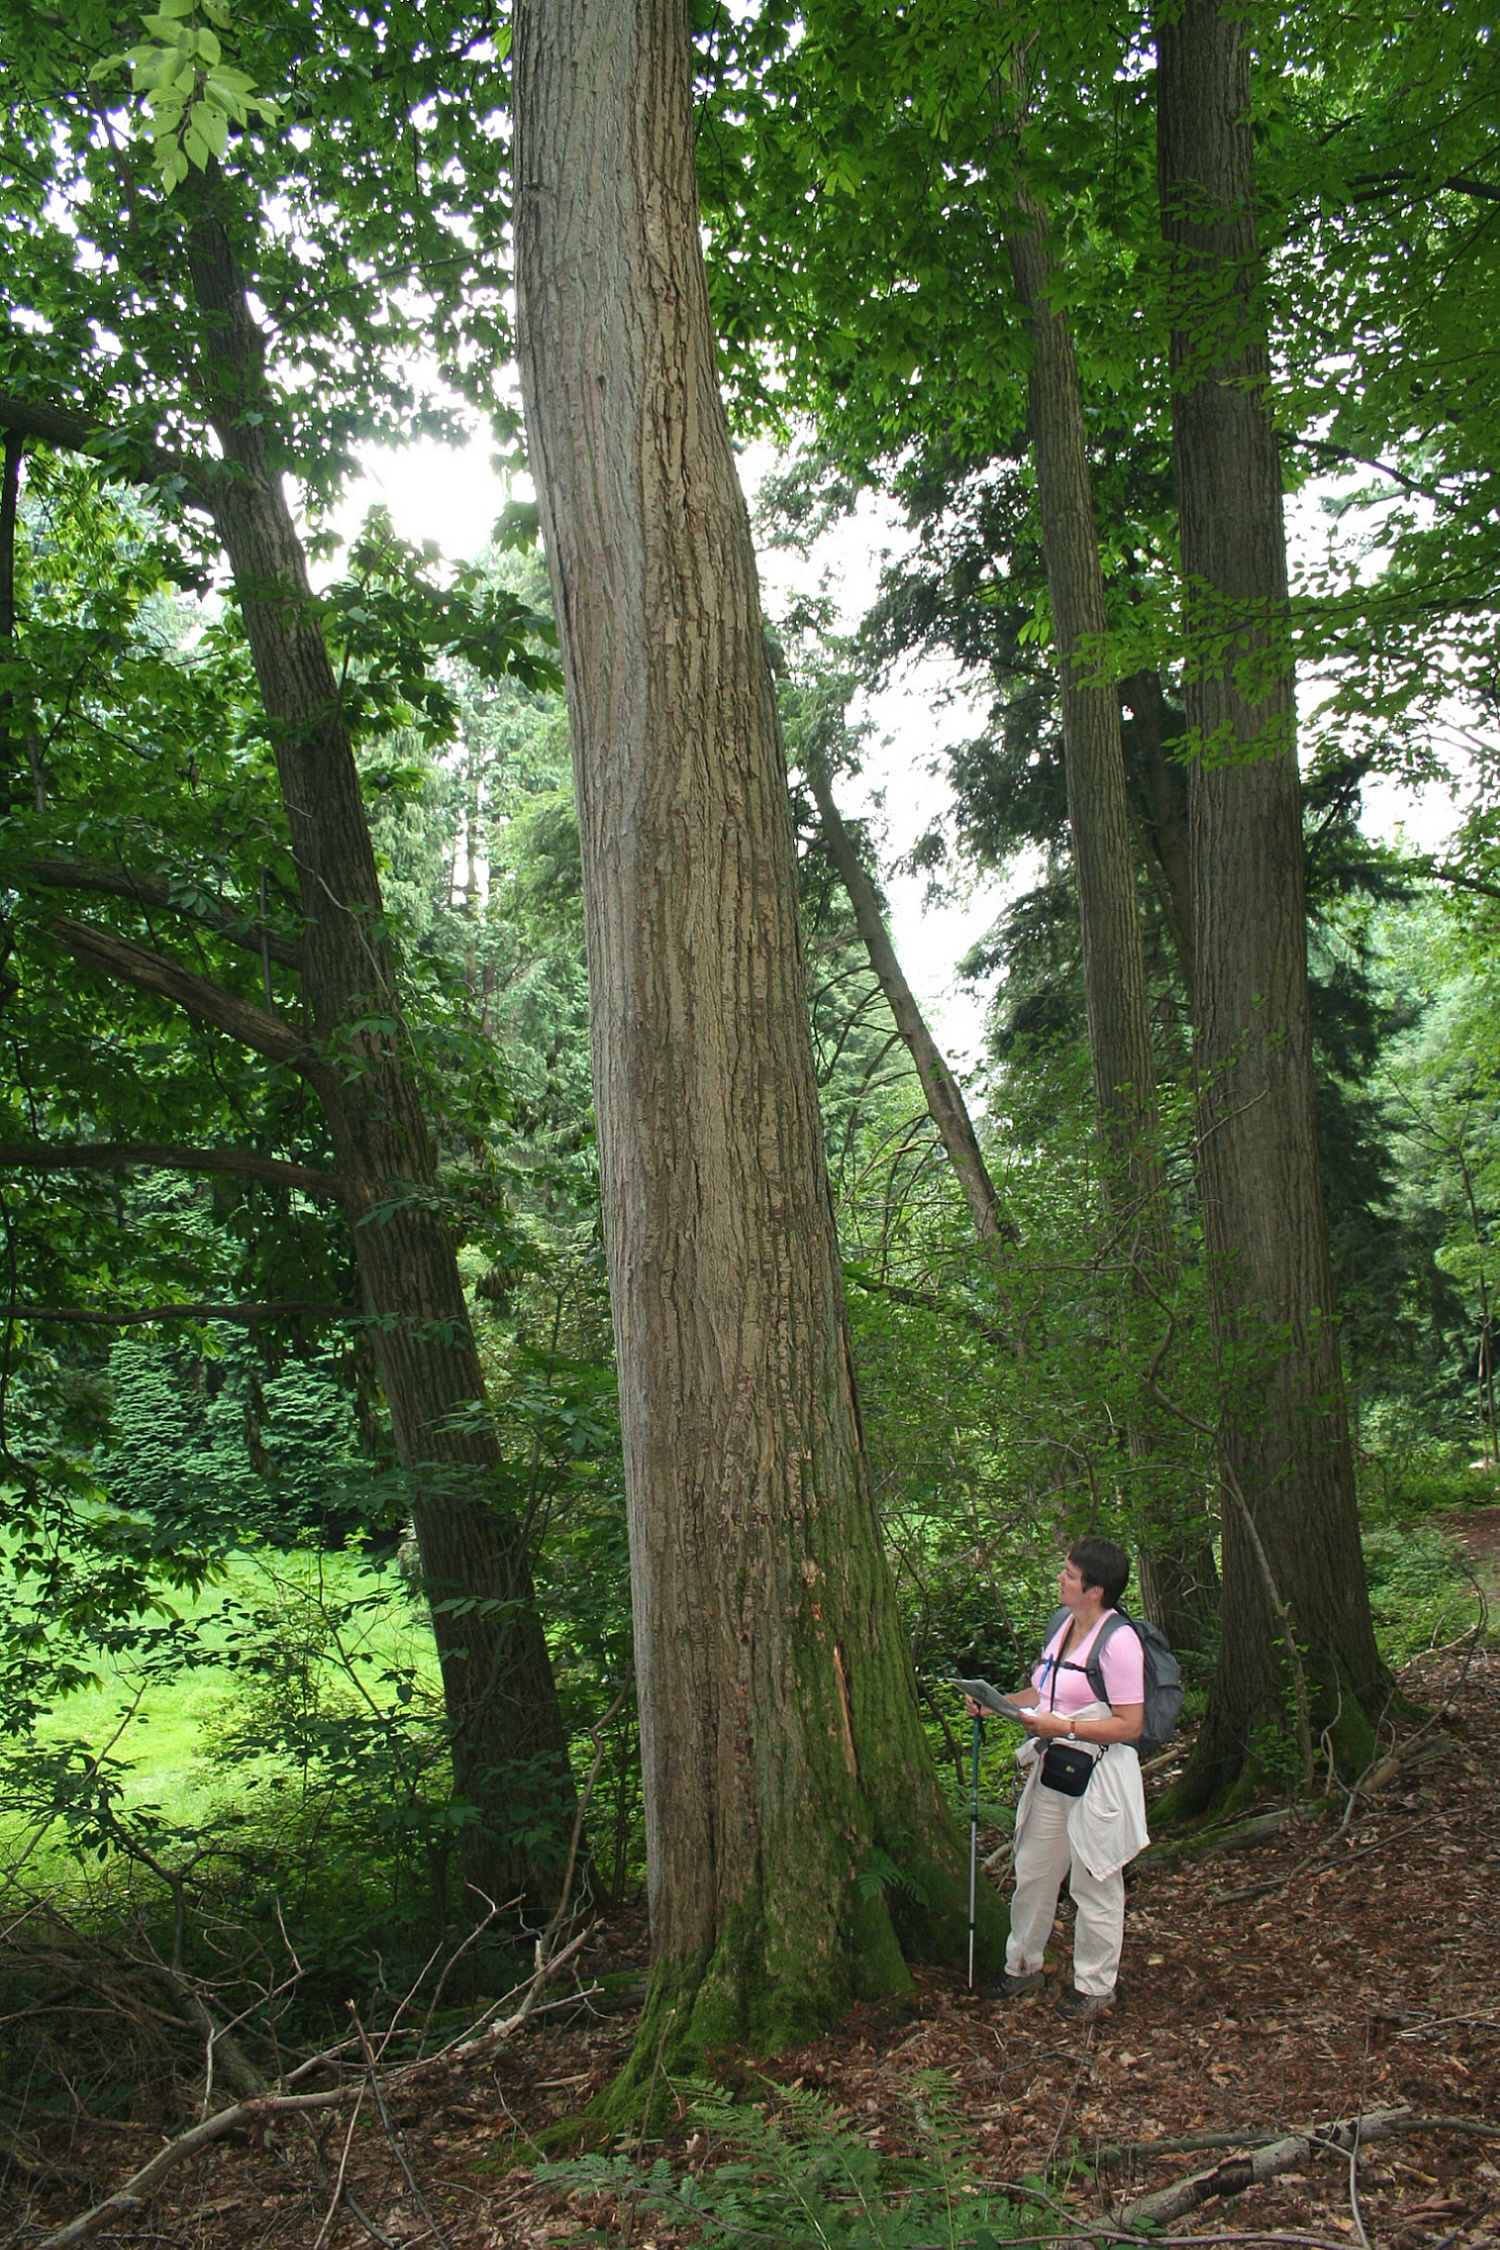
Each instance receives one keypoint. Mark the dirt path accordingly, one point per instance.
(1364, 1974)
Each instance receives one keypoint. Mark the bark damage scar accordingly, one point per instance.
(846, 1710)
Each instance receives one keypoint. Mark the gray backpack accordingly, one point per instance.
(1162, 1670)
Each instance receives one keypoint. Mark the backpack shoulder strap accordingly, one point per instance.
(1106, 1633)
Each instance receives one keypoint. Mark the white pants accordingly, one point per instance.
(1043, 1858)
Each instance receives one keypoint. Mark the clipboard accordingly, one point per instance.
(992, 1700)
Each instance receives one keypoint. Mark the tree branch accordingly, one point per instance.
(141, 1316)
(926, 1301)
(134, 459)
(209, 1003)
(90, 1156)
(256, 2113)
(151, 890)
(1233, 2178)
(1459, 183)
(1368, 461)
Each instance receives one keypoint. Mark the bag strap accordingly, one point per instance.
(1102, 1638)
(1091, 1668)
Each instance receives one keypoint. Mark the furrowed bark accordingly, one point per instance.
(786, 1774)
(1284, 1440)
(1163, 790)
(1178, 1578)
(945, 1102)
(1114, 965)
(507, 1730)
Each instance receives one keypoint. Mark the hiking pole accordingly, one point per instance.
(974, 1845)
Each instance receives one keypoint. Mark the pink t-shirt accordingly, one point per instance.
(1122, 1663)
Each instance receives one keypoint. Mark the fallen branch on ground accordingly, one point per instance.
(259, 2110)
(1240, 1836)
(1187, 2144)
(1325, 1858)
(1175, 2202)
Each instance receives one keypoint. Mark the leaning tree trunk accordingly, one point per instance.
(1179, 1582)
(509, 1745)
(943, 1094)
(786, 1775)
(1290, 1528)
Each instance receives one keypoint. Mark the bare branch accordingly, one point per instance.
(255, 2113)
(139, 1316)
(104, 1156)
(1242, 2172)
(209, 1003)
(945, 1100)
(151, 890)
(927, 1300)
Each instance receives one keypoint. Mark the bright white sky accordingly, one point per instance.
(434, 492)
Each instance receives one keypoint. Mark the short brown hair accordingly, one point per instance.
(1102, 1563)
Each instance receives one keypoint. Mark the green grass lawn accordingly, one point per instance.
(162, 1732)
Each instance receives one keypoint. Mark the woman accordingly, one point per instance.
(1088, 1837)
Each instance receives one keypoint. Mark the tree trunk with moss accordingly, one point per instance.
(1284, 1445)
(797, 1840)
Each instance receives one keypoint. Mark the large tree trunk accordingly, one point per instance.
(509, 1745)
(1179, 1583)
(785, 1768)
(1284, 1448)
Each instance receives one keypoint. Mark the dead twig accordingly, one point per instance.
(338, 2184)
(1085, 2063)
(393, 2137)
(1186, 2144)
(255, 2112)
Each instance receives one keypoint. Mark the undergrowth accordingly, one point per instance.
(792, 2170)
(1422, 1594)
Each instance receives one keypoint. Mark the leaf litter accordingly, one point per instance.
(1329, 1970)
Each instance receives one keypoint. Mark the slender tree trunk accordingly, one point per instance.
(10, 495)
(1162, 786)
(1114, 966)
(1284, 1443)
(509, 1743)
(786, 1774)
(945, 1102)
(1179, 1582)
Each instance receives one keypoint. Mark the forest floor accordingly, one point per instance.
(1322, 1973)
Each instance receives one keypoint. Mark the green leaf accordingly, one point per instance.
(211, 127)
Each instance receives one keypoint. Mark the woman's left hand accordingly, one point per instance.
(1048, 1724)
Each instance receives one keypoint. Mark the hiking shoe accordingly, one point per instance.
(1082, 2007)
(1012, 1988)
